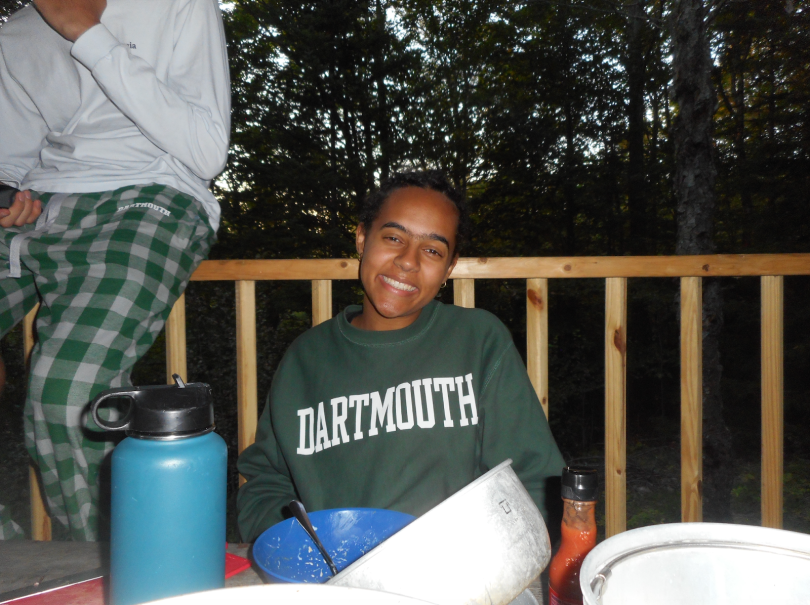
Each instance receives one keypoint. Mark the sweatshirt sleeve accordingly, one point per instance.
(269, 487)
(23, 130)
(514, 426)
(188, 116)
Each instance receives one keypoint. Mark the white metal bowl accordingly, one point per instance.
(485, 544)
(290, 594)
(698, 564)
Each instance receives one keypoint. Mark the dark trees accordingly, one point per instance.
(9, 6)
(315, 119)
(637, 35)
(761, 77)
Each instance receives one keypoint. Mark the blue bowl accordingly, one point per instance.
(286, 553)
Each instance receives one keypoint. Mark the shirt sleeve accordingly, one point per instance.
(515, 427)
(268, 488)
(188, 116)
(23, 130)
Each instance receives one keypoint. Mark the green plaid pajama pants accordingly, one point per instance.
(107, 268)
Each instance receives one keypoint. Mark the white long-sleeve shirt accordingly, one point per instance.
(143, 97)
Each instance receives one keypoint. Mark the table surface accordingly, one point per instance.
(24, 562)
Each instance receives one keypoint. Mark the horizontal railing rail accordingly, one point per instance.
(770, 268)
(716, 265)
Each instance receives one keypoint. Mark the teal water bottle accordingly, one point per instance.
(167, 534)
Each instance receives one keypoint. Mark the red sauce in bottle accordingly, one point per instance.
(578, 537)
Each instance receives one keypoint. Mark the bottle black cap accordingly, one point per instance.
(580, 483)
(161, 412)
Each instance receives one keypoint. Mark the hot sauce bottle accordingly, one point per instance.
(579, 490)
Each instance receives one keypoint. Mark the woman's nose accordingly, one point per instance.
(409, 259)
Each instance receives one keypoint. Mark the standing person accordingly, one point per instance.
(115, 118)
(402, 401)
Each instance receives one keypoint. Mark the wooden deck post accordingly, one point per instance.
(772, 313)
(615, 405)
(321, 300)
(247, 412)
(40, 521)
(464, 293)
(691, 399)
(537, 338)
(176, 341)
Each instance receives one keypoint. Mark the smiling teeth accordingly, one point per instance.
(398, 285)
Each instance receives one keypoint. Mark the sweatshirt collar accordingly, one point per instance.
(388, 337)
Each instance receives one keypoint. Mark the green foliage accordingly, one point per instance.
(315, 121)
(763, 126)
(7, 7)
(653, 483)
(796, 493)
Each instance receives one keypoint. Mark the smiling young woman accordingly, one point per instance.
(406, 254)
(401, 402)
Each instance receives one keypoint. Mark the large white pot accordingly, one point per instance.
(698, 564)
(484, 544)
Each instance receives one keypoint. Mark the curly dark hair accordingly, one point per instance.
(426, 179)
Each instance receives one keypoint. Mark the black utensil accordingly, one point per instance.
(300, 513)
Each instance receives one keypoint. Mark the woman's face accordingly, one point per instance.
(408, 252)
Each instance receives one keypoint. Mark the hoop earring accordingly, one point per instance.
(444, 285)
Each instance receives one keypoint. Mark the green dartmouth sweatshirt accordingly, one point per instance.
(398, 420)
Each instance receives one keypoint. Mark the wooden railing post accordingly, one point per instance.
(247, 412)
(615, 405)
(176, 341)
(772, 314)
(537, 338)
(321, 300)
(691, 399)
(464, 293)
(40, 521)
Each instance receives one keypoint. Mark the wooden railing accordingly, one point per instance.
(537, 272)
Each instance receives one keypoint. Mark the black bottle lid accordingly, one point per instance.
(161, 412)
(580, 483)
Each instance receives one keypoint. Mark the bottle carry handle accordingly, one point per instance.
(121, 424)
